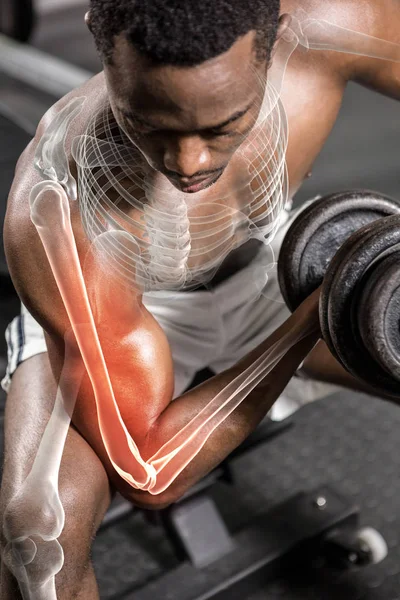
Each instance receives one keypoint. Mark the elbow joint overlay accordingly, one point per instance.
(161, 243)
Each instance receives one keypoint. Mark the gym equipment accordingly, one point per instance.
(42, 72)
(308, 526)
(360, 276)
(224, 566)
(17, 19)
(318, 232)
(359, 305)
(176, 591)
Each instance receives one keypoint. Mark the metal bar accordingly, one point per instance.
(274, 543)
(38, 69)
(22, 109)
(46, 6)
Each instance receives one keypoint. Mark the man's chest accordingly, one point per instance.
(310, 101)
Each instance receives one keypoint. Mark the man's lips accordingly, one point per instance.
(197, 186)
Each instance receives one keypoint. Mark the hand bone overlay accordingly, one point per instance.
(162, 244)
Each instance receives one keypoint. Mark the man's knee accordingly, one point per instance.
(82, 497)
(67, 557)
(21, 515)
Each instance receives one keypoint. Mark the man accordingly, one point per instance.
(159, 59)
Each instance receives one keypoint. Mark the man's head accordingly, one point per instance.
(185, 77)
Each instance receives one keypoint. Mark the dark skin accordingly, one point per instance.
(184, 143)
(185, 130)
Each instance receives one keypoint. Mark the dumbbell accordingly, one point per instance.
(350, 243)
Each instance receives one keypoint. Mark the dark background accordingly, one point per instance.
(350, 441)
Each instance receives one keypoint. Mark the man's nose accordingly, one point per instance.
(187, 156)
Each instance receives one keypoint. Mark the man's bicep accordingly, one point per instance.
(135, 390)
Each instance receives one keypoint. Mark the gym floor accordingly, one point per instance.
(347, 440)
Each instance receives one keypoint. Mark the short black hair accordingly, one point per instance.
(183, 32)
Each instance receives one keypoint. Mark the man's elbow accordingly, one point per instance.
(148, 501)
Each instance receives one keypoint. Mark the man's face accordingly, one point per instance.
(187, 122)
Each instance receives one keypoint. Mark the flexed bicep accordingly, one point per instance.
(157, 472)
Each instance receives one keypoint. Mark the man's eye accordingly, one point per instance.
(221, 132)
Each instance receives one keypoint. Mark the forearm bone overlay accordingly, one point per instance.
(34, 518)
(51, 216)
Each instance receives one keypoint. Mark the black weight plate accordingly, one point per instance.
(378, 312)
(318, 232)
(339, 300)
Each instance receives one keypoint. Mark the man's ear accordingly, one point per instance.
(87, 20)
(284, 22)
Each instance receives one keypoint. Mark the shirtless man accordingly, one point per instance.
(182, 92)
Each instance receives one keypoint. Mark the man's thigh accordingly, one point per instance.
(84, 488)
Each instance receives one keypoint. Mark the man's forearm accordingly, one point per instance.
(321, 365)
(184, 439)
(243, 420)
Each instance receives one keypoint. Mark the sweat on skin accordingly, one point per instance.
(50, 214)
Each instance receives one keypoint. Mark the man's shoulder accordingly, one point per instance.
(372, 18)
(28, 264)
(358, 15)
(26, 258)
(93, 90)
(26, 176)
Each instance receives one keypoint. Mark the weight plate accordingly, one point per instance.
(318, 232)
(338, 307)
(378, 312)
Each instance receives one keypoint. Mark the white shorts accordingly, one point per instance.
(205, 328)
